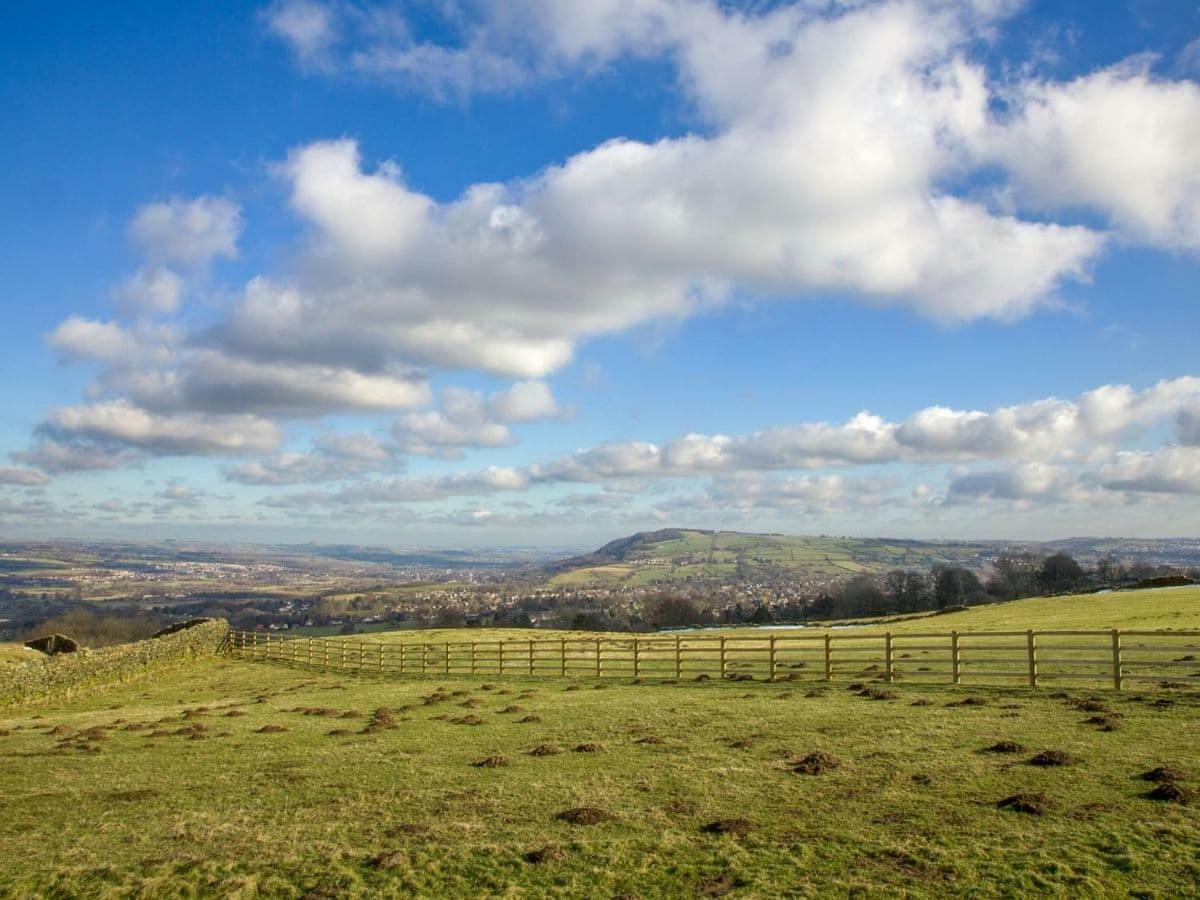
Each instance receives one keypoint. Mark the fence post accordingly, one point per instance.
(562, 649)
(771, 660)
(599, 670)
(472, 657)
(1031, 645)
(828, 657)
(1118, 675)
(403, 658)
(678, 666)
(381, 658)
(637, 662)
(500, 655)
(889, 670)
(723, 657)
(362, 655)
(531, 657)
(424, 658)
(325, 652)
(955, 675)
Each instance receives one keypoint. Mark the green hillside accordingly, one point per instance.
(679, 555)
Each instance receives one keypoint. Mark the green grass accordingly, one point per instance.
(14, 653)
(910, 808)
(693, 555)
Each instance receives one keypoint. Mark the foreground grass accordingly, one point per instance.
(212, 805)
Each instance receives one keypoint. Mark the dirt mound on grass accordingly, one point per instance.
(1107, 722)
(467, 720)
(922, 701)
(816, 763)
(588, 748)
(529, 719)
(235, 714)
(391, 859)
(1162, 773)
(1033, 804)
(272, 729)
(491, 762)
(650, 740)
(381, 720)
(716, 885)
(1170, 792)
(513, 709)
(729, 826)
(545, 750)
(545, 855)
(1053, 758)
(968, 701)
(340, 732)
(585, 815)
(1005, 747)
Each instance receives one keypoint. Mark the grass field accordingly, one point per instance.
(13, 653)
(234, 778)
(694, 555)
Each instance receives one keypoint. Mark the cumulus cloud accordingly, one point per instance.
(468, 419)
(1119, 140)
(407, 490)
(1024, 484)
(120, 424)
(187, 232)
(306, 26)
(333, 457)
(1168, 470)
(23, 477)
(153, 291)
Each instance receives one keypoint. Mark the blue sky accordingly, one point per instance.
(532, 273)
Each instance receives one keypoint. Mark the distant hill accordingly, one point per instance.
(674, 555)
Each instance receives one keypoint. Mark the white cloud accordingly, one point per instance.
(468, 419)
(1168, 470)
(153, 291)
(187, 232)
(525, 401)
(306, 26)
(1118, 140)
(1024, 484)
(333, 457)
(121, 424)
(23, 477)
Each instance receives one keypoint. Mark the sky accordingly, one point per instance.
(544, 273)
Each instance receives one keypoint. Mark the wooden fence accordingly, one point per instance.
(1114, 658)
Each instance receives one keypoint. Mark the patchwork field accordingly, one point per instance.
(238, 778)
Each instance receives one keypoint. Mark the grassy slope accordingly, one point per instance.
(697, 555)
(1177, 608)
(911, 808)
(14, 653)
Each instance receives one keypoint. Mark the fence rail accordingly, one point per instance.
(1114, 657)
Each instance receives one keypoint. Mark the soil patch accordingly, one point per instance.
(585, 815)
(729, 826)
(1005, 747)
(545, 855)
(491, 762)
(1162, 773)
(1053, 758)
(817, 763)
(1170, 792)
(1033, 804)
